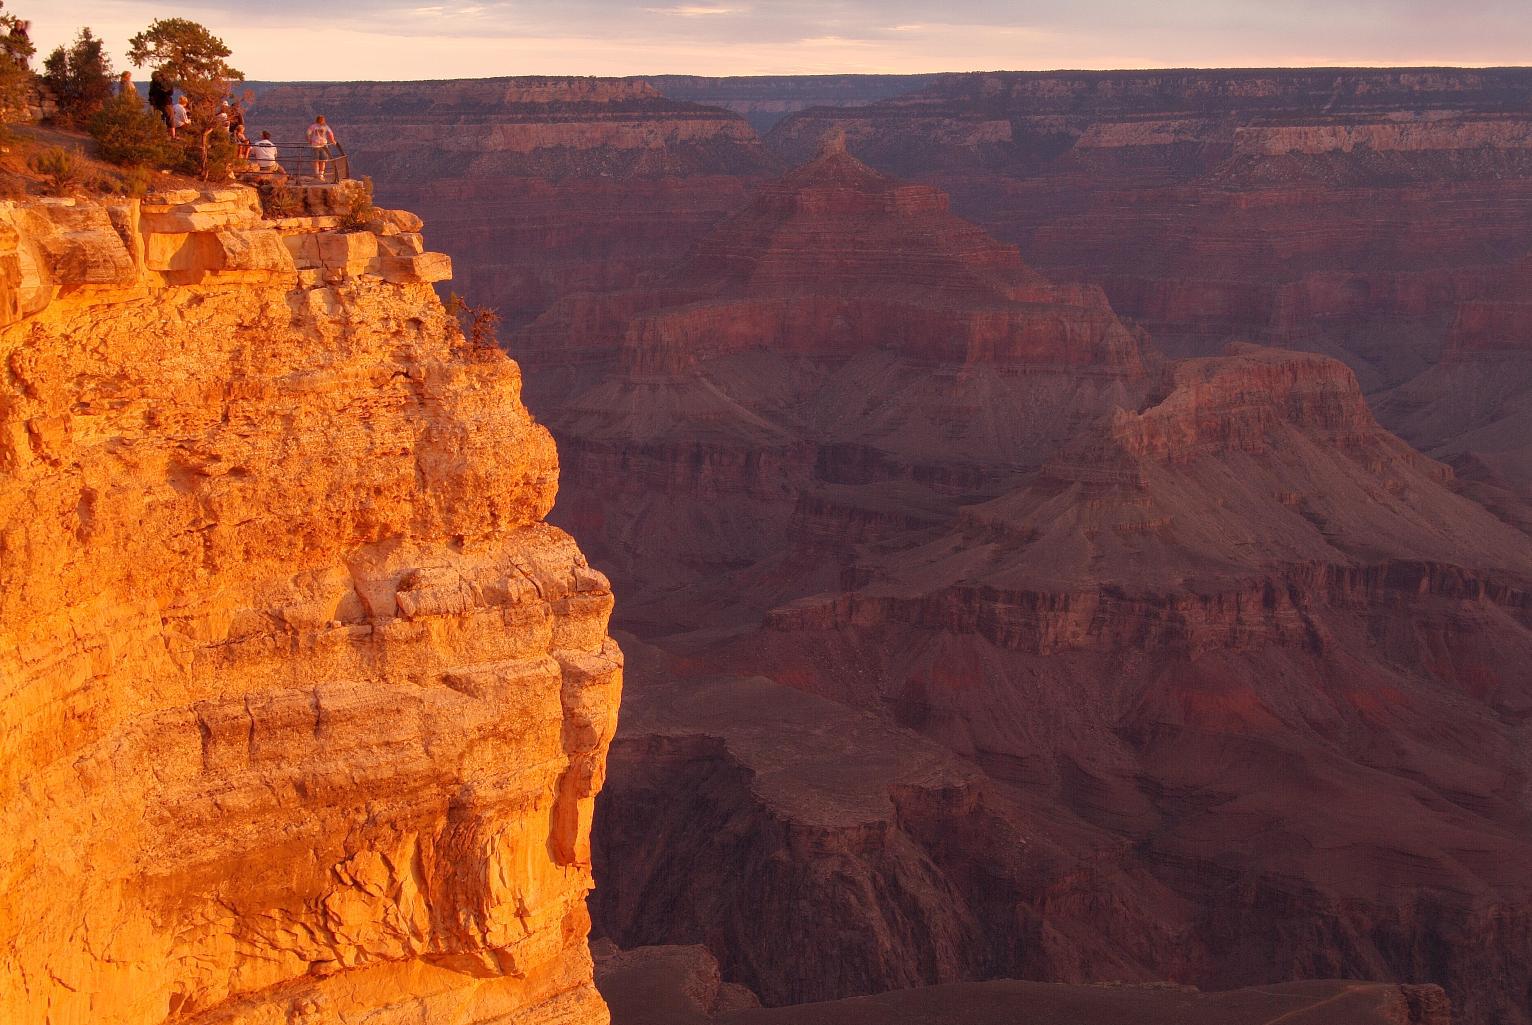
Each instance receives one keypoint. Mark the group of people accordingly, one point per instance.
(262, 154)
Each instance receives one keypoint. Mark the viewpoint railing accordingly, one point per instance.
(297, 161)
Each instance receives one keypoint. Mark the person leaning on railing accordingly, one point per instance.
(320, 139)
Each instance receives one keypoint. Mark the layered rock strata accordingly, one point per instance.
(1343, 210)
(538, 186)
(1154, 608)
(304, 704)
(843, 329)
(764, 100)
(1473, 408)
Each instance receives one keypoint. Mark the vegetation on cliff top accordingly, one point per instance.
(77, 89)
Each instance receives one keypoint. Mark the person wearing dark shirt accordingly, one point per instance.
(161, 92)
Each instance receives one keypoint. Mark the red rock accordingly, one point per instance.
(1337, 210)
(724, 389)
(1132, 595)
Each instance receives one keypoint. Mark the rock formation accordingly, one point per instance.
(820, 338)
(859, 448)
(679, 986)
(304, 704)
(1341, 210)
(537, 186)
(1473, 408)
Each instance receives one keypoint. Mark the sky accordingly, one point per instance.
(415, 39)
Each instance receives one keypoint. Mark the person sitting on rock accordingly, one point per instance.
(264, 153)
(320, 140)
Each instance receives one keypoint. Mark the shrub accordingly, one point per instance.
(130, 134)
(278, 200)
(360, 213)
(477, 322)
(205, 150)
(60, 167)
(136, 182)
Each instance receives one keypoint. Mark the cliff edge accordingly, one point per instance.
(303, 707)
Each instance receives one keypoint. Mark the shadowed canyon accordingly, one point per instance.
(1114, 572)
(1061, 544)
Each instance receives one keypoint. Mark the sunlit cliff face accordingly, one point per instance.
(304, 707)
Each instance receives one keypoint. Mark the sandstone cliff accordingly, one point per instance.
(304, 706)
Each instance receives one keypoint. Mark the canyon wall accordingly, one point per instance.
(537, 187)
(1127, 611)
(764, 100)
(1343, 210)
(305, 705)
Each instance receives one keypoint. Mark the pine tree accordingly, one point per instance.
(196, 61)
(80, 77)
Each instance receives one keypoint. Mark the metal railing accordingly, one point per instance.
(297, 161)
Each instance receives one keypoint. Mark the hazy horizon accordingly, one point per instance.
(391, 41)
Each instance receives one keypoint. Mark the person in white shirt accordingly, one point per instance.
(320, 139)
(264, 153)
(180, 115)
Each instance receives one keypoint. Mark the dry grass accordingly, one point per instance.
(21, 146)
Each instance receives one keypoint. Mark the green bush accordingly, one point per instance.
(136, 182)
(129, 133)
(207, 154)
(61, 167)
(80, 77)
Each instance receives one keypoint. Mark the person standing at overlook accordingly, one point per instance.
(180, 115)
(320, 139)
(162, 93)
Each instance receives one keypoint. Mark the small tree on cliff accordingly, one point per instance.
(16, 52)
(128, 133)
(196, 60)
(478, 322)
(80, 77)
